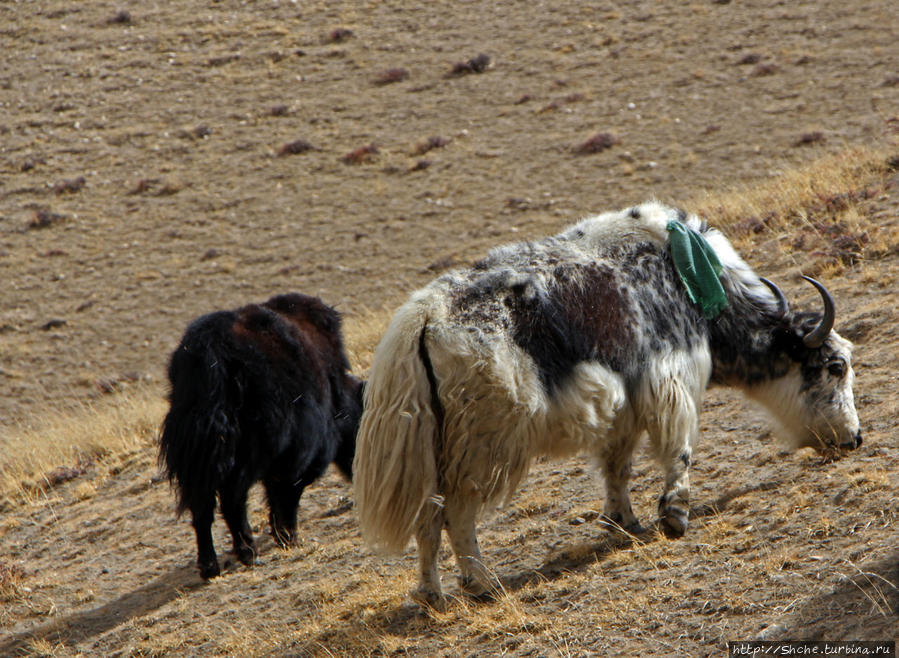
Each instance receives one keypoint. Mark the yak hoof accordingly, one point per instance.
(615, 522)
(428, 598)
(475, 589)
(209, 569)
(284, 539)
(674, 523)
(635, 528)
(246, 555)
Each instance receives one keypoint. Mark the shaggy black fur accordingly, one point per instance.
(261, 393)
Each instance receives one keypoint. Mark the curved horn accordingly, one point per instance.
(783, 306)
(815, 338)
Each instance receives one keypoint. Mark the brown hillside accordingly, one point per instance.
(159, 160)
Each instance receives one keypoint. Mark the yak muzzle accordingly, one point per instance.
(852, 443)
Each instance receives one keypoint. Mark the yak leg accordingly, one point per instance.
(672, 437)
(475, 579)
(674, 503)
(202, 522)
(233, 497)
(283, 501)
(427, 536)
(616, 468)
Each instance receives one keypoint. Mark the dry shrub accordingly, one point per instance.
(431, 143)
(360, 155)
(121, 17)
(597, 144)
(391, 75)
(295, 147)
(814, 137)
(764, 69)
(43, 218)
(339, 35)
(477, 64)
(11, 578)
(143, 185)
(69, 185)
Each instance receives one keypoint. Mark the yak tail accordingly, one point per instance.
(395, 467)
(199, 436)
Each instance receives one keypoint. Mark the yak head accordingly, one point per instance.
(813, 400)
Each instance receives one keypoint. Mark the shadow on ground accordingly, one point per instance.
(866, 597)
(81, 626)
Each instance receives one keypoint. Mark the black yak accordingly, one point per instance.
(260, 393)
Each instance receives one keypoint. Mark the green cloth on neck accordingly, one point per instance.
(698, 267)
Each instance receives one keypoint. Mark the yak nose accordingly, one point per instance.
(853, 443)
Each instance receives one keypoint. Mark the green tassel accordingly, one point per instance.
(698, 267)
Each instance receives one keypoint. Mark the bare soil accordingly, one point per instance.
(159, 160)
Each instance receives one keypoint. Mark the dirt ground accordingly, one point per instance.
(159, 160)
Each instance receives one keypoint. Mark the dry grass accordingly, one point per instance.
(781, 202)
(65, 445)
(814, 214)
(362, 333)
(11, 577)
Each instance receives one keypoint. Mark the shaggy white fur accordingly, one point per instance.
(461, 400)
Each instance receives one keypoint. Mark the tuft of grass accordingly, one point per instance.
(11, 579)
(818, 212)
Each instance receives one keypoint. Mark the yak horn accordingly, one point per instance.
(783, 307)
(815, 338)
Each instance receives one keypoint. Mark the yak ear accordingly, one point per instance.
(792, 339)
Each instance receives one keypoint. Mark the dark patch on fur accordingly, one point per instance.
(749, 346)
(478, 304)
(813, 362)
(582, 317)
(752, 345)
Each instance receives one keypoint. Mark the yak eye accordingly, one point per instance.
(837, 368)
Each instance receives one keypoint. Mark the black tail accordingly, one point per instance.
(347, 414)
(200, 432)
